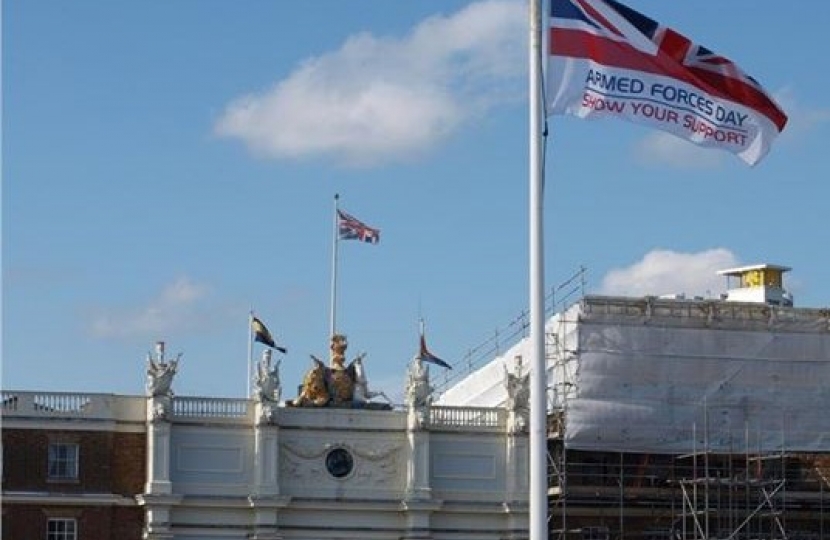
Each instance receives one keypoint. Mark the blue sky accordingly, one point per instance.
(168, 166)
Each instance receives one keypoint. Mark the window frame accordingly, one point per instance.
(60, 465)
(61, 528)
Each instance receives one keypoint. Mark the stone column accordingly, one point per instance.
(265, 498)
(266, 447)
(516, 476)
(517, 473)
(418, 513)
(158, 445)
(418, 463)
(157, 515)
(158, 498)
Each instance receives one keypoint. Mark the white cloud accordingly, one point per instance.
(175, 309)
(801, 119)
(380, 99)
(661, 148)
(662, 272)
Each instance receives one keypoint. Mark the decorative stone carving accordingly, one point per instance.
(362, 394)
(418, 394)
(267, 388)
(418, 389)
(160, 372)
(160, 375)
(314, 392)
(518, 395)
(337, 385)
(162, 407)
(340, 378)
(377, 466)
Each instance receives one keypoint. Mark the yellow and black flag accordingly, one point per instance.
(262, 335)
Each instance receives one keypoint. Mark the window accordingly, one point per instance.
(61, 529)
(63, 461)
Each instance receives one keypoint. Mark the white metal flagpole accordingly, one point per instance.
(538, 377)
(335, 241)
(250, 353)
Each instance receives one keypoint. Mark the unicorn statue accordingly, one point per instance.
(362, 394)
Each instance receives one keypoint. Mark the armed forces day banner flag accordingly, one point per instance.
(608, 60)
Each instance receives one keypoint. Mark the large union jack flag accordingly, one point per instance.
(605, 34)
(351, 228)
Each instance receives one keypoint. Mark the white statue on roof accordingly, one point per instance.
(517, 384)
(160, 372)
(267, 380)
(418, 389)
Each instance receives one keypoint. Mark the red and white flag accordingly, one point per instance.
(608, 60)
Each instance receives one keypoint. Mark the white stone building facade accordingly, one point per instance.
(219, 468)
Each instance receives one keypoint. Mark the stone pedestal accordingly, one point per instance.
(266, 450)
(159, 408)
(266, 516)
(417, 467)
(157, 512)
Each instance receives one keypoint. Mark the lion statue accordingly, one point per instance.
(315, 392)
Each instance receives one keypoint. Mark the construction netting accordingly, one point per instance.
(675, 377)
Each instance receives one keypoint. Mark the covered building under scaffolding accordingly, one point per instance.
(684, 418)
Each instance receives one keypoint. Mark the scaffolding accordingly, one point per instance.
(685, 497)
(735, 485)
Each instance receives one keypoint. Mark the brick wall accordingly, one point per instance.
(107, 462)
(129, 463)
(21, 522)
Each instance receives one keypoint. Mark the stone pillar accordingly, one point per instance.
(158, 498)
(266, 516)
(266, 448)
(265, 498)
(418, 526)
(516, 476)
(157, 515)
(158, 446)
(418, 462)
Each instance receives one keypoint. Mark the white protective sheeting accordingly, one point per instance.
(482, 388)
(486, 387)
(737, 379)
(679, 376)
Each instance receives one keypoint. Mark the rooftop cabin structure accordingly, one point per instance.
(762, 283)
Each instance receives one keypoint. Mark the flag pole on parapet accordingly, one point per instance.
(346, 227)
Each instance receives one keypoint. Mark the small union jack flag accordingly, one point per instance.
(351, 228)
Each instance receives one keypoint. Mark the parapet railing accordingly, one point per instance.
(47, 402)
(467, 417)
(557, 299)
(70, 405)
(91, 406)
(210, 407)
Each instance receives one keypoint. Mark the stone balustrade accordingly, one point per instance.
(92, 406)
(88, 406)
(467, 417)
(210, 407)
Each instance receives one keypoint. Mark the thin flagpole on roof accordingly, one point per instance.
(334, 245)
(250, 354)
